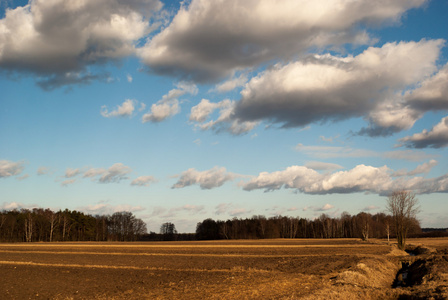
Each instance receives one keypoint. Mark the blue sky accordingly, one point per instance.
(223, 109)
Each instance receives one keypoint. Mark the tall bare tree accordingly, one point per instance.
(403, 205)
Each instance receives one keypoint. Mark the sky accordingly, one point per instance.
(178, 111)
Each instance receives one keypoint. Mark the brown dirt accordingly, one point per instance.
(263, 269)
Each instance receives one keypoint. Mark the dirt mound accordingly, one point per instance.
(373, 272)
(396, 252)
(423, 250)
(369, 279)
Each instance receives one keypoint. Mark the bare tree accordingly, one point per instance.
(403, 205)
(168, 230)
(29, 227)
(364, 221)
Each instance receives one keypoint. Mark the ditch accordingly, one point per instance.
(423, 274)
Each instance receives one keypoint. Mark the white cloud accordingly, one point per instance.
(192, 209)
(334, 151)
(239, 211)
(411, 155)
(326, 88)
(294, 176)
(205, 108)
(124, 110)
(225, 122)
(231, 209)
(157, 211)
(93, 172)
(432, 94)
(212, 39)
(142, 107)
(55, 38)
(325, 207)
(317, 165)
(231, 84)
(359, 179)
(108, 209)
(43, 171)
(129, 78)
(143, 181)
(68, 182)
(308, 127)
(390, 116)
(69, 173)
(437, 137)
(424, 168)
(222, 208)
(8, 206)
(10, 168)
(161, 111)
(208, 179)
(25, 176)
(422, 185)
(420, 169)
(329, 139)
(115, 173)
(370, 208)
(169, 104)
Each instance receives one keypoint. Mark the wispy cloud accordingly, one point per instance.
(107, 209)
(143, 181)
(324, 152)
(43, 171)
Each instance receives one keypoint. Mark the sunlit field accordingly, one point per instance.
(255, 269)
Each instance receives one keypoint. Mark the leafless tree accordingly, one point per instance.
(364, 220)
(29, 227)
(403, 205)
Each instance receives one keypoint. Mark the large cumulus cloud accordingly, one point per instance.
(58, 39)
(208, 40)
(327, 88)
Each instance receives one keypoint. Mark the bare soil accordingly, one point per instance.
(262, 269)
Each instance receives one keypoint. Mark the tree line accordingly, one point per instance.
(39, 225)
(45, 225)
(363, 225)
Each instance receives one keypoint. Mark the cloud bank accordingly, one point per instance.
(362, 178)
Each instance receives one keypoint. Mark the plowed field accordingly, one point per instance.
(267, 269)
